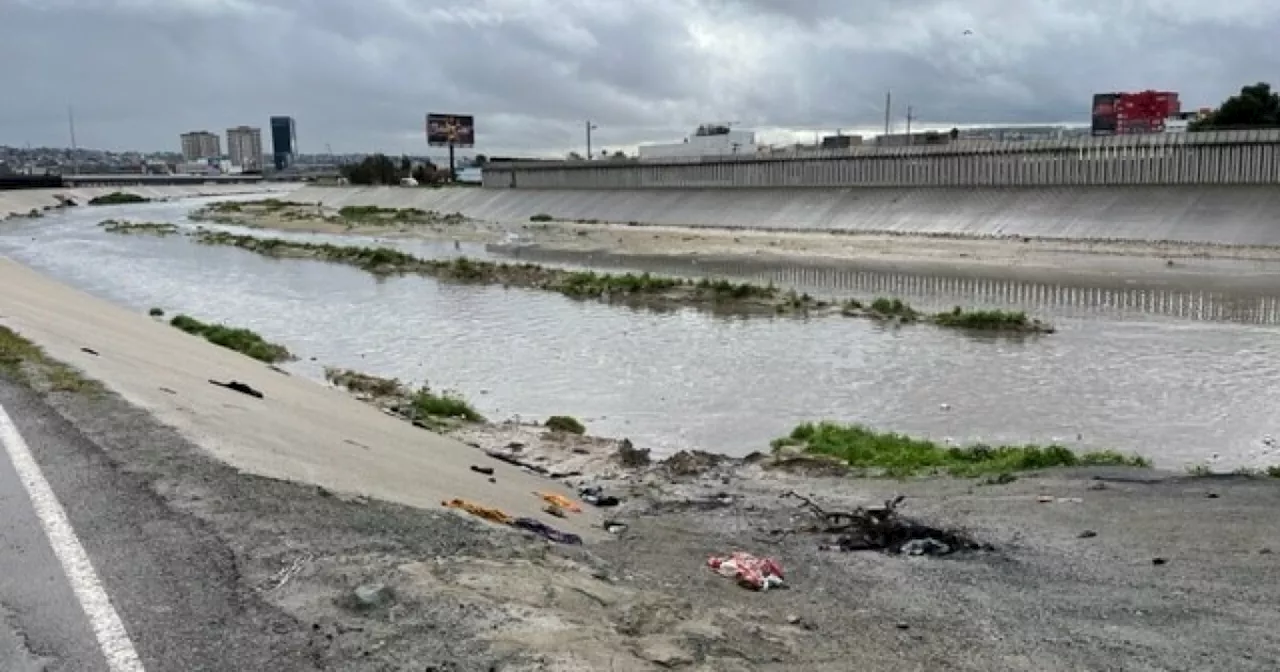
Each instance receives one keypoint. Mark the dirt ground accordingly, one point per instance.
(468, 596)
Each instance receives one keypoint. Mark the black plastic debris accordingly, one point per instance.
(238, 386)
(595, 495)
(547, 532)
(91, 351)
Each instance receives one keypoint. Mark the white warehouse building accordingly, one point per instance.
(708, 140)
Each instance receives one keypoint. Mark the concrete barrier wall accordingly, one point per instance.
(1231, 215)
(23, 201)
(1213, 158)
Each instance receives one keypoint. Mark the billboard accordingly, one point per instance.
(1104, 113)
(1146, 111)
(451, 129)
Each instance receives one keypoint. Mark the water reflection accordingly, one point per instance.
(1179, 390)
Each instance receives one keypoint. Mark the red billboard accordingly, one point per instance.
(1130, 113)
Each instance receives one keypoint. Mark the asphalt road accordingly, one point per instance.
(173, 584)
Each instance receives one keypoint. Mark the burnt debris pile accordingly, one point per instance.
(881, 528)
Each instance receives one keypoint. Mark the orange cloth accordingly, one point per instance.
(560, 501)
(490, 514)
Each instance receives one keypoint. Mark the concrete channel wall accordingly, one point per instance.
(1230, 215)
(1210, 158)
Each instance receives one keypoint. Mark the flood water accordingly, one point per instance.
(1176, 384)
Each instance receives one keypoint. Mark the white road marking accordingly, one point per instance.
(107, 626)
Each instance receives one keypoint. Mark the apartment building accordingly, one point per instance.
(200, 145)
(244, 147)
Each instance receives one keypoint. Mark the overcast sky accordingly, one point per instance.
(359, 75)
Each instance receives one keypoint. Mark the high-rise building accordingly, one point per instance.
(200, 145)
(244, 147)
(284, 141)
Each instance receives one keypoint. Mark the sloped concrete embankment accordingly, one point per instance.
(23, 201)
(1237, 215)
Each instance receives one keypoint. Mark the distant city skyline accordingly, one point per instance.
(353, 75)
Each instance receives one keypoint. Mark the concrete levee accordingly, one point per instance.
(1227, 215)
(23, 201)
(1210, 158)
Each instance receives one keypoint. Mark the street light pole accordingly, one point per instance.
(590, 127)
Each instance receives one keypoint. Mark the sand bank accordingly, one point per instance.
(1227, 215)
(1132, 264)
(301, 431)
(23, 201)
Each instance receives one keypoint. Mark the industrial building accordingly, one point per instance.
(715, 139)
(200, 145)
(244, 148)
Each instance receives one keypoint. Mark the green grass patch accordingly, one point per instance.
(243, 341)
(886, 307)
(729, 290)
(426, 402)
(565, 423)
(27, 363)
(434, 409)
(118, 198)
(363, 383)
(129, 228)
(984, 320)
(897, 455)
(366, 211)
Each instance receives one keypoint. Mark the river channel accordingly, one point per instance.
(1178, 387)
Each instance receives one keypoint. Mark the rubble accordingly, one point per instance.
(881, 528)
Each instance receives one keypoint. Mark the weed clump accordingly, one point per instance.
(363, 383)
(243, 341)
(542, 217)
(25, 362)
(118, 198)
(126, 227)
(898, 455)
(985, 320)
(884, 307)
(565, 423)
(448, 405)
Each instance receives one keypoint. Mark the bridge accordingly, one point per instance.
(140, 180)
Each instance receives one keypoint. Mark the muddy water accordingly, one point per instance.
(1177, 385)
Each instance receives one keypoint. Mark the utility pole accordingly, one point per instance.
(888, 110)
(909, 118)
(75, 158)
(590, 127)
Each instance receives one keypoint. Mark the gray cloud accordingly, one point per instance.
(361, 75)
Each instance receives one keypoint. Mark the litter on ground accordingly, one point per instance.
(488, 513)
(748, 570)
(547, 532)
(560, 501)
